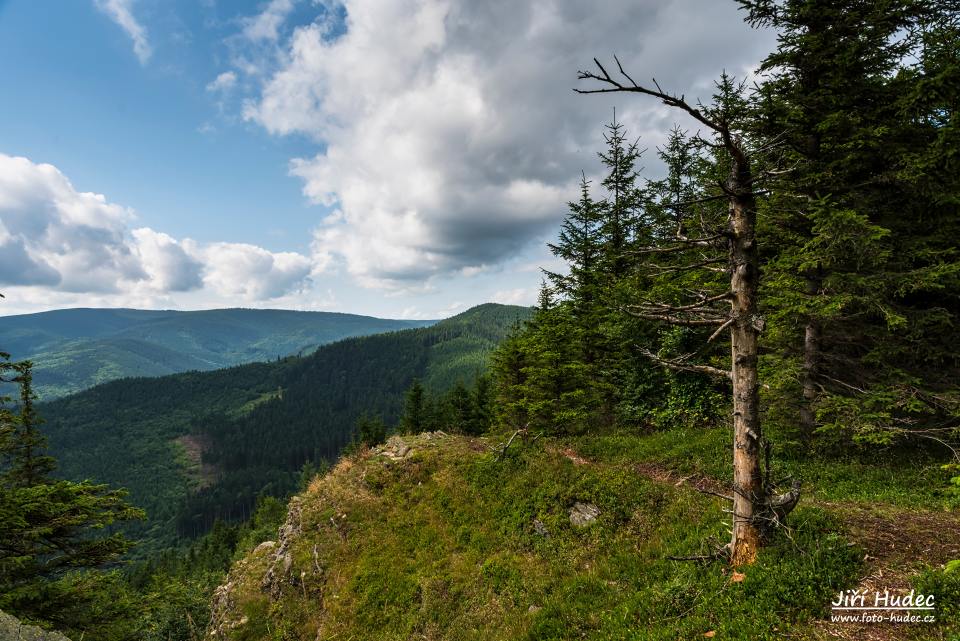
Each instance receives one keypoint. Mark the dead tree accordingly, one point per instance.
(756, 508)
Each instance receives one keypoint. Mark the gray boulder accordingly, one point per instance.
(583, 514)
(12, 630)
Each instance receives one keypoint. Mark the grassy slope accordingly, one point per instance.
(441, 545)
(75, 349)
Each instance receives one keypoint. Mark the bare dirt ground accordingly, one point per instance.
(896, 543)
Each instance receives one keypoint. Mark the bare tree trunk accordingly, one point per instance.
(755, 510)
(749, 495)
(811, 360)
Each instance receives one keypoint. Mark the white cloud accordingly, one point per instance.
(121, 12)
(167, 263)
(72, 239)
(519, 296)
(62, 240)
(222, 83)
(251, 272)
(450, 134)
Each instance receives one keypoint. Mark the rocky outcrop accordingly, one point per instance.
(583, 514)
(294, 565)
(279, 572)
(395, 449)
(11, 629)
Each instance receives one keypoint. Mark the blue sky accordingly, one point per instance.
(391, 157)
(82, 101)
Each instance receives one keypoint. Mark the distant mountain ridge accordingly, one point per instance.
(74, 349)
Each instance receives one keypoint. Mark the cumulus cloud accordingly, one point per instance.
(72, 239)
(252, 272)
(121, 12)
(449, 132)
(166, 262)
(67, 241)
(18, 267)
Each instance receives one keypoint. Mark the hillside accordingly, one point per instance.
(435, 537)
(75, 349)
(199, 446)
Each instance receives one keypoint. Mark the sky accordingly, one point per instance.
(398, 158)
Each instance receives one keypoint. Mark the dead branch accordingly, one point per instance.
(686, 243)
(684, 367)
(712, 493)
(697, 306)
(522, 433)
(503, 450)
(666, 270)
(670, 100)
(719, 553)
(720, 329)
(675, 320)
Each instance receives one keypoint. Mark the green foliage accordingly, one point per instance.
(954, 481)
(460, 409)
(173, 589)
(944, 584)
(582, 362)
(859, 231)
(414, 418)
(52, 535)
(371, 430)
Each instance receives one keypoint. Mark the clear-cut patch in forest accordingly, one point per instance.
(201, 473)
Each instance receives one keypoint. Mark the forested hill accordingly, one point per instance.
(198, 446)
(74, 349)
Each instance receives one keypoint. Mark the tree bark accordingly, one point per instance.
(753, 513)
(749, 491)
(811, 360)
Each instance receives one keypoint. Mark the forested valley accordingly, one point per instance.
(736, 399)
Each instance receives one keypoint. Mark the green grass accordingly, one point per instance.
(250, 405)
(903, 480)
(442, 545)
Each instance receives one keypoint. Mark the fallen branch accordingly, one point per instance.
(720, 553)
(502, 450)
(712, 493)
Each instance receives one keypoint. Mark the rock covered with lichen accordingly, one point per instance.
(13, 629)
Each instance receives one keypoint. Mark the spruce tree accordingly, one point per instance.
(370, 430)
(415, 411)
(580, 246)
(51, 541)
(621, 208)
(509, 367)
(861, 246)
